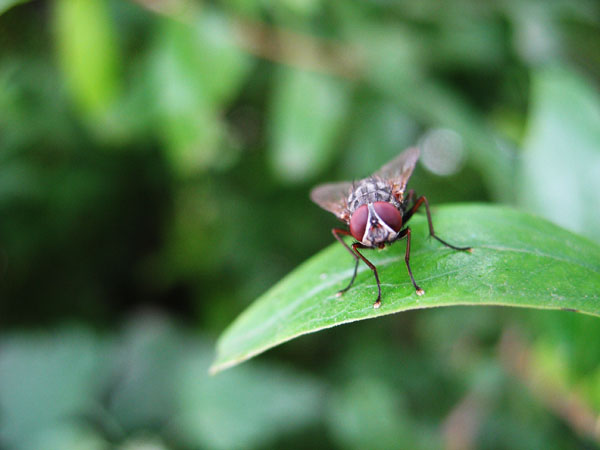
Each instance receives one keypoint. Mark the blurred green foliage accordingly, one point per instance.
(155, 160)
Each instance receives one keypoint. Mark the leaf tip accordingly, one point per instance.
(217, 367)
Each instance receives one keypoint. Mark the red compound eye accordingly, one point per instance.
(358, 222)
(389, 214)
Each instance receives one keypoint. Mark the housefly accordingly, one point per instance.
(376, 211)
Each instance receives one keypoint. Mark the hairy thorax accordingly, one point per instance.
(369, 191)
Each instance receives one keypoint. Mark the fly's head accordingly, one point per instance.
(375, 224)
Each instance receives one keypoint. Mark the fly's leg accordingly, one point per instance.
(336, 233)
(355, 247)
(408, 200)
(422, 200)
(406, 234)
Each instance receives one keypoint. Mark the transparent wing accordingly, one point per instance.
(333, 197)
(399, 169)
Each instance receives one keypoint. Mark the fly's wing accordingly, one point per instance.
(398, 170)
(333, 197)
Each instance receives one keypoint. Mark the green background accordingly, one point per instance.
(155, 164)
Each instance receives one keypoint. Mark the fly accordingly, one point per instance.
(376, 212)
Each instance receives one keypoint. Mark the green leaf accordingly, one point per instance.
(246, 408)
(307, 112)
(87, 49)
(517, 260)
(46, 379)
(368, 413)
(5, 5)
(195, 71)
(561, 157)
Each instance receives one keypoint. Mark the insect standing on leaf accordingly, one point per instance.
(376, 211)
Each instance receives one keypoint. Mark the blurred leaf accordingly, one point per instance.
(394, 55)
(293, 14)
(197, 213)
(467, 42)
(146, 356)
(146, 441)
(219, 64)
(69, 390)
(537, 36)
(300, 8)
(368, 413)
(163, 384)
(190, 126)
(563, 359)
(307, 111)
(379, 129)
(45, 380)
(242, 409)
(86, 47)
(65, 436)
(5, 5)
(196, 69)
(26, 123)
(561, 158)
(566, 335)
(517, 260)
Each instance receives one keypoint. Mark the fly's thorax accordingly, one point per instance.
(371, 190)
